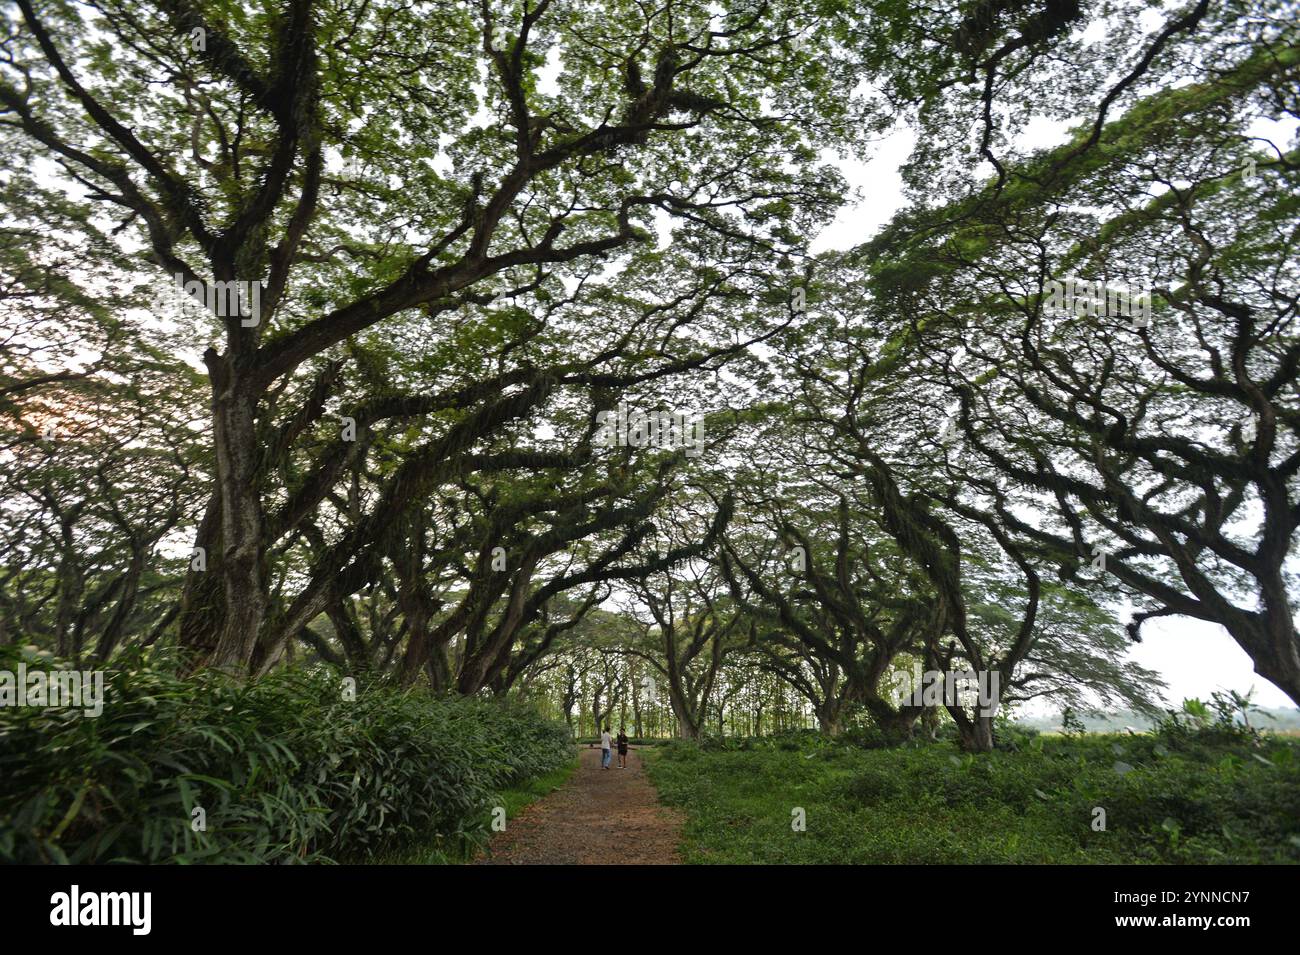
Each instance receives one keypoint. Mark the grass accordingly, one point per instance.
(1166, 801)
(437, 851)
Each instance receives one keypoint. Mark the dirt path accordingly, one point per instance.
(599, 817)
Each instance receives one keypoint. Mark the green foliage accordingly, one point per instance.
(1071, 725)
(789, 741)
(1217, 801)
(435, 850)
(285, 768)
(1224, 720)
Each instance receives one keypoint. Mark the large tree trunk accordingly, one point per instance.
(113, 630)
(1270, 638)
(349, 634)
(830, 718)
(690, 718)
(570, 698)
(896, 724)
(234, 407)
(418, 648)
(482, 664)
(930, 722)
(899, 726)
(71, 587)
(688, 726)
(636, 708)
(201, 607)
(438, 668)
(976, 735)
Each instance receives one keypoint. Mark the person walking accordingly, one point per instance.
(604, 749)
(622, 747)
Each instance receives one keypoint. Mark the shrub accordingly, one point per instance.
(1227, 799)
(870, 736)
(874, 784)
(284, 769)
(1199, 727)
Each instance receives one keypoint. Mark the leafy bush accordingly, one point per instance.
(284, 769)
(874, 784)
(1224, 720)
(869, 736)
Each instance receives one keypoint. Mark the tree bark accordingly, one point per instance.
(687, 725)
(829, 719)
(234, 407)
(976, 735)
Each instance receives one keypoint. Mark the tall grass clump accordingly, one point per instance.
(289, 768)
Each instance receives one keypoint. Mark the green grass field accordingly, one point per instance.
(1188, 800)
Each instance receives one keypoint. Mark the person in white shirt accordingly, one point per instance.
(604, 749)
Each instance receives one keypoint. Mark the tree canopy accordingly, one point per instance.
(491, 348)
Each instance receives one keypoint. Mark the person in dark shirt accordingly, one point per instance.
(622, 747)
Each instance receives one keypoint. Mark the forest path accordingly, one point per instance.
(598, 817)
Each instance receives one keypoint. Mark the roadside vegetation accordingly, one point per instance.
(1186, 794)
(300, 766)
